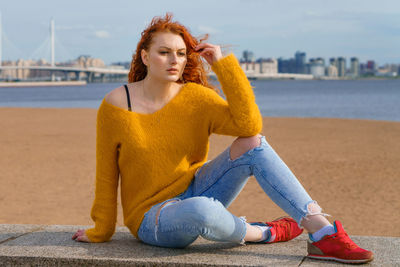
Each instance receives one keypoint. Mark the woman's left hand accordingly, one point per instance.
(211, 53)
(81, 236)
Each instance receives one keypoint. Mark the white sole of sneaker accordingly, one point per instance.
(319, 257)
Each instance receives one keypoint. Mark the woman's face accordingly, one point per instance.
(166, 58)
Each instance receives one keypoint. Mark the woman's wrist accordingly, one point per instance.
(227, 60)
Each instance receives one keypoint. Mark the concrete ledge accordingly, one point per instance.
(51, 245)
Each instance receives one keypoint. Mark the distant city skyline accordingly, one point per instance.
(367, 30)
(239, 57)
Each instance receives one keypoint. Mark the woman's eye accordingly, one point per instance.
(180, 53)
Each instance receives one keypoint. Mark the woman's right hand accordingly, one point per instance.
(211, 53)
(81, 236)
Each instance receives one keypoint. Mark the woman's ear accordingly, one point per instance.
(143, 54)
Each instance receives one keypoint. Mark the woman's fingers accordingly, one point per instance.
(207, 51)
(76, 234)
(211, 53)
(202, 45)
(80, 236)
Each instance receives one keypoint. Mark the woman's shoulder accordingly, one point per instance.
(201, 89)
(117, 97)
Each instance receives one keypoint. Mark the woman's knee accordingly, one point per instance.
(243, 144)
(204, 210)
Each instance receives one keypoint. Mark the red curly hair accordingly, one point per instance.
(194, 70)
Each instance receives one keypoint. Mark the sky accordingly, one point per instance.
(110, 30)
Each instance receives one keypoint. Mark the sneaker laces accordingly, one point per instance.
(280, 228)
(346, 240)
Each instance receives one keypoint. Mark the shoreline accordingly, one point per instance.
(47, 83)
(281, 77)
(48, 168)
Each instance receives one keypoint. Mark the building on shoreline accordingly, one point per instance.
(261, 66)
(336, 69)
(354, 67)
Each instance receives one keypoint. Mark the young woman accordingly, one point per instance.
(154, 133)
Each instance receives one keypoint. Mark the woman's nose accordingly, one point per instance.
(174, 58)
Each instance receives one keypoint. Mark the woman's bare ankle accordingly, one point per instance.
(313, 223)
(253, 233)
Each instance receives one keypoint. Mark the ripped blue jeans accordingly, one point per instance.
(201, 209)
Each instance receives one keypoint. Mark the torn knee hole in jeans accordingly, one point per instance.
(158, 215)
(259, 146)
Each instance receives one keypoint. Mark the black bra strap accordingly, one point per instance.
(128, 97)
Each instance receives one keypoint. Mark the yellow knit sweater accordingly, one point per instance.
(156, 155)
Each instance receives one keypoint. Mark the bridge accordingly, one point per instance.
(100, 73)
(90, 72)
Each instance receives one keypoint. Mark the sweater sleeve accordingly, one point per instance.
(239, 115)
(104, 209)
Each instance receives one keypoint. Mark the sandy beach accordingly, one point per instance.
(351, 167)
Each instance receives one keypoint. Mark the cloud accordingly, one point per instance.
(74, 27)
(89, 29)
(101, 34)
(206, 29)
(98, 34)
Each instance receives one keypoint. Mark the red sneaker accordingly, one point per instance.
(338, 247)
(284, 229)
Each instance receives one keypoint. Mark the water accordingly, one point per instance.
(87, 96)
(359, 99)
